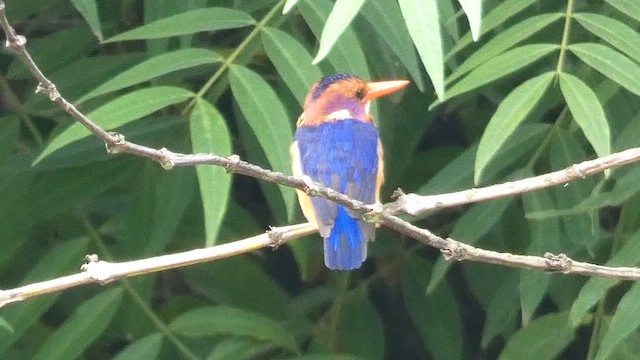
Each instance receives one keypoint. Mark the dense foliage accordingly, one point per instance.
(547, 84)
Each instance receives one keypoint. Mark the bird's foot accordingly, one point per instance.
(375, 215)
(310, 187)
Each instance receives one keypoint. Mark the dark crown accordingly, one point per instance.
(326, 81)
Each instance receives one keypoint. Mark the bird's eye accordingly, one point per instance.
(360, 94)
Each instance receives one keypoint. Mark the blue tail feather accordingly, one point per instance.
(346, 247)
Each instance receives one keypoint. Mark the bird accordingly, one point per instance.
(337, 144)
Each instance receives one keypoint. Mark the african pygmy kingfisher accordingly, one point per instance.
(337, 145)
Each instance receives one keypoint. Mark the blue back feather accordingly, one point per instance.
(342, 155)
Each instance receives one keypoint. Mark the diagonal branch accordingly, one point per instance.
(104, 272)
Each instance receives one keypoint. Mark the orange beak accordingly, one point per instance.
(382, 88)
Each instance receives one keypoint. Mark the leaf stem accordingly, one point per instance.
(565, 36)
(232, 57)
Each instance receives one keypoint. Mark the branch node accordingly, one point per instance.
(454, 251)
(234, 160)
(16, 43)
(579, 171)
(91, 258)
(558, 263)
(165, 159)
(117, 146)
(275, 236)
(98, 270)
(49, 89)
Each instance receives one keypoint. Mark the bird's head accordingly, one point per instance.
(342, 96)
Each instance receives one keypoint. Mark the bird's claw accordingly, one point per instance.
(310, 187)
(375, 214)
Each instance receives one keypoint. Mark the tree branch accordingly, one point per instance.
(104, 272)
(414, 204)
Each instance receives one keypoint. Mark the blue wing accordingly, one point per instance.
(342, 155)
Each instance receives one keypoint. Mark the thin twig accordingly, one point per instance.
(104, 272)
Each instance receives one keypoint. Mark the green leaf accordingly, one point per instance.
(56, 192)
(255, 154)
(45, 51)
(449, 15)
(236, 280)
(511, 112)
(14, 234)
(580, 229)
(291, 60)
(625, 187)
(79, 77)
(153, 68)
(595, 288)
(89, 11)
(471, 227)
(500, 14)
(473, 9)
(443, 339)
(347, 55)
(269, 120)
(545, 236)
(6, 326)
(625, 320)
(339, 19)
(611, 64)
(422, 20)
(9, 135)
(326, 356)
(516, 152)
(82, 327)
(151, 132)
(357, 316)
(146, 348)
(223, 320)
(237, 348)
(616, 33)
(289, 5)
(157, 10)
(209, 134)
(386, 19)
(455, 176)
(208, 19)
(173, 195)
(502, 309)
(627, 7)
(543, 338)
(503, 41)
(587, 112)
(58, 261)
(501, 66)
(118, 112)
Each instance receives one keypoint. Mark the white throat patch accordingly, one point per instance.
(339, 115)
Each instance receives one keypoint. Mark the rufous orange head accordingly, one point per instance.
(344, 96)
